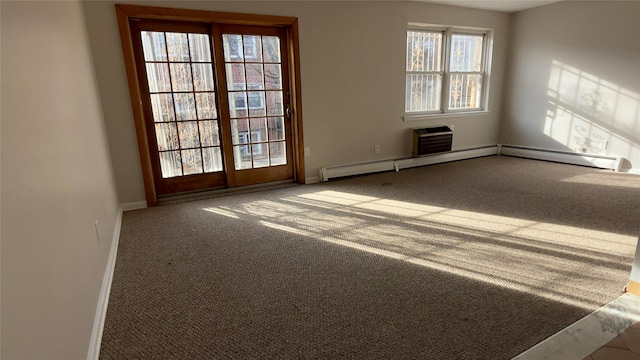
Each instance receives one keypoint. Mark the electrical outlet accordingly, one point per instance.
(376, 149)
(307, 151)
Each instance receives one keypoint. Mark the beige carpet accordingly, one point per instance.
(476, 259)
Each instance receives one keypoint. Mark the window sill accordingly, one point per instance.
(419, 117)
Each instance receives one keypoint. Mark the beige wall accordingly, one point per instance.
(56, 182)
(559, 55)
(352, 62)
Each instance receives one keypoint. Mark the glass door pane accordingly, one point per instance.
(253, 68)
(180, 79)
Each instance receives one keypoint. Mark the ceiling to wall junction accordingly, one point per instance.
(496, 5)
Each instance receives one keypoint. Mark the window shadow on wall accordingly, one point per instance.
(591, 115)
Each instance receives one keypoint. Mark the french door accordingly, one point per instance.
(257, 104)
(216, 103)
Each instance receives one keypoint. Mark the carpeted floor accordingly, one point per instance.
(476, 259)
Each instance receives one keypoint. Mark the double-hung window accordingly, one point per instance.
(447, 70)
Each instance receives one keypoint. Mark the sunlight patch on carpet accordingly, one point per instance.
(553, 261)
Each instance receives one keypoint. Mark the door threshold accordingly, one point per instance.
(200, 195)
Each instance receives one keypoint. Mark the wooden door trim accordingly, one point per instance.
(125, 13)
(136, 105)
(296, 102)
(162, 13)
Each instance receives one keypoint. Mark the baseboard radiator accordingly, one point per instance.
(566, 157)
(333, 172)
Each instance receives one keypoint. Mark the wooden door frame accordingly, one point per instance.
(125, 13)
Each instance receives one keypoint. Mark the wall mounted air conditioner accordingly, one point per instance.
(432, 140)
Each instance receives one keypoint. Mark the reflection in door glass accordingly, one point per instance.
(170, 164)
(158, 77)
(271, 49)
(188, 132)
(253, 70)
(162, 107)
(278, 153)
(212, 159)
(202, 77)
(179, 72)
(167, 136)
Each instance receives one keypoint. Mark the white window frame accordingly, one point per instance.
(485, 71)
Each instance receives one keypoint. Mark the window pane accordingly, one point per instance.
(162, 106)
(170, 164)
(274, 103)
(242, 157)
(238, 104)
(424, 51)
(206, 104)
(191, 161)
(466, 52)
(276, 128)
(271, 49)
(423, 92)
(153, 45)
(209, 133)
(256, 103)
(260, 154)
(200, 49)
(185, 106)
(178, 47)
(181, 77)
(255, 77)
(464, 91)
(212, 159)
(188, 132)
(239, 131)
(202, 77)
(252, 48)
(272, 77)
(277, 153)
(258, 130)
(235, 77)
(233, 51)
(158, 77)
(167, 136)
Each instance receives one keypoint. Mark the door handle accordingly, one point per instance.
(287, 111)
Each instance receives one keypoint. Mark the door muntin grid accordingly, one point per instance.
(179, 70)
(253, 69)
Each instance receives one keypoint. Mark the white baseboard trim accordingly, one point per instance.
(136, 205)
(634, 171)
(312, 180)
(103, 300)
(332, 172)
(566, 157)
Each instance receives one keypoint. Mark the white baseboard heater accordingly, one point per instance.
(332, 172)
(592, 160)
(566, 157)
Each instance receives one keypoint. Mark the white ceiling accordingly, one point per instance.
(497, 5)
